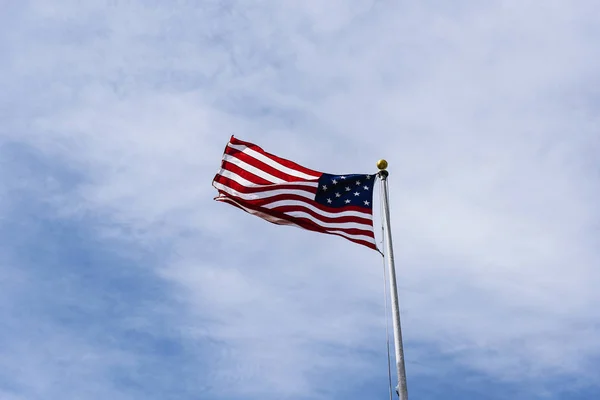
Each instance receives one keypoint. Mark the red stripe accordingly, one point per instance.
(286, 196)
(312, 227)
(282, 161)
(333, 210)
(344, 218)
(290, 196)
(226, 199)
(264, 167)
(337, 210)
(309, 225)
(276, 212)
(272, 199)
(257, 189)
(249, 176)
(352, 231)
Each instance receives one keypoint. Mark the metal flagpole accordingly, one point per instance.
(401, 389)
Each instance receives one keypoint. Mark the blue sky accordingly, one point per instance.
(121, 278)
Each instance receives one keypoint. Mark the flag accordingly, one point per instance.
(285, 193)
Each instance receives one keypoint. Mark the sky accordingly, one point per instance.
(122, 278)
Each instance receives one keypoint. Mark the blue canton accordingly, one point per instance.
(346, 190)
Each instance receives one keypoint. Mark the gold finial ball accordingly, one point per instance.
(382, 164)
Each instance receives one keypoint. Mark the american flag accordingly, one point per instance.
(285, 193)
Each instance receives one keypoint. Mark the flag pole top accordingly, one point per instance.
(382, 165)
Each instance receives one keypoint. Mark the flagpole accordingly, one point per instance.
(401, 389)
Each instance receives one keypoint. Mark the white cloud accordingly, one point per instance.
(485, 113)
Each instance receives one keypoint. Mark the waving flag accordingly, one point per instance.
(285, 193)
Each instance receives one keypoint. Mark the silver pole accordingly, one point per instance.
(401, 389)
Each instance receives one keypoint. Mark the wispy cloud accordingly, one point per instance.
(115, 114)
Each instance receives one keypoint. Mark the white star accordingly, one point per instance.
(356, 194)
(337, 195)
(347, 201)
(343, 177)
(324, 187)
(368, 176)
(329, 201)
(366, 203)
(366, 187)
(347, 188)
(358, 183)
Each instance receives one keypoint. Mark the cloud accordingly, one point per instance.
(486, 113)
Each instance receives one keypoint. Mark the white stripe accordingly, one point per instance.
(280, 221)
(235, 177)
(335, 225)
(247, 167)
(262, 195)
(268, 217)
(283, 203)
(244, 182)
(261, 157)
(358, 237)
